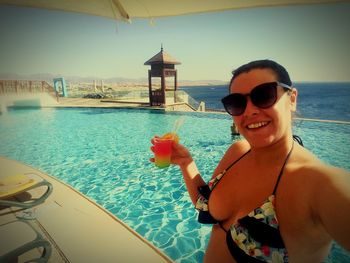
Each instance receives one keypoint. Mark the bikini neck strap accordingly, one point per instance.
(281, 171)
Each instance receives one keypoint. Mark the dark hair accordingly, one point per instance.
(281, 72)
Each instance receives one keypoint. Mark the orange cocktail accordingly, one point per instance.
(163, 149)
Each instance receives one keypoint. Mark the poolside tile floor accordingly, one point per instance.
(78, 229)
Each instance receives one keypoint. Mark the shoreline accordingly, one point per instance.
(129, 97)
(79, 102)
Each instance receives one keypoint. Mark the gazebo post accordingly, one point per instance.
(175, 86)
(162, 79)
(150, 87)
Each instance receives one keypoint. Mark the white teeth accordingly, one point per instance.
(257, 125)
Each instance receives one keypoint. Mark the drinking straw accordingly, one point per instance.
(178, 123)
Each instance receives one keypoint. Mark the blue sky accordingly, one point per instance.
(311, 41)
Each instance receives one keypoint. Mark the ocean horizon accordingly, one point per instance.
(316, 100)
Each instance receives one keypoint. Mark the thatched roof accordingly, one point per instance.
(162, 58)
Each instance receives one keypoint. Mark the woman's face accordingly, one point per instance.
(262, 127)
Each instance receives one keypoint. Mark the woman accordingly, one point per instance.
(270, 199)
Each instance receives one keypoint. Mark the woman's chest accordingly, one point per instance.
(234, 199)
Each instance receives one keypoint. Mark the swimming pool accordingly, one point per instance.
(104, 153)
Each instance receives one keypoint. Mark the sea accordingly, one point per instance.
(326, 101)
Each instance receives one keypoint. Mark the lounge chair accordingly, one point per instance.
(14, 185)
(19, 237)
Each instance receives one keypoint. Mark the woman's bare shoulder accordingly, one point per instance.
(316, 184)
(236, 150)
(240, 146)
(326, 192)
(314, 170)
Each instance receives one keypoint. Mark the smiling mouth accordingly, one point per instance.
(257, 125)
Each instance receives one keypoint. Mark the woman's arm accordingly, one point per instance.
(181, 156)
(332, 203)
(192, 177)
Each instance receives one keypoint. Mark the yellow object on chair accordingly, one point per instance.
(15, 184)
(12, 185)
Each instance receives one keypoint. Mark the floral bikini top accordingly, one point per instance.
(256, 236)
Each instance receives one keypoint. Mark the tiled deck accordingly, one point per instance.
(78, 229)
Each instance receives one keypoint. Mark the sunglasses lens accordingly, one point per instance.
(264, 95)
(235, 104)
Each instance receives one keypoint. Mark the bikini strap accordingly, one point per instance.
(298, 140)
(281, 172)
(228, 168)
(236, 161)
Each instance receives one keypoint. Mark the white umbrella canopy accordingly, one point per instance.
(126, 10)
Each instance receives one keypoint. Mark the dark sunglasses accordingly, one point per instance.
(262, 96)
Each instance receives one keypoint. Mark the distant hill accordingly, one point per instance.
(78, 79)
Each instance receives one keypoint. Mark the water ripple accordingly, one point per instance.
(105, 154)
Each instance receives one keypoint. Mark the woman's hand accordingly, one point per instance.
(179, 155)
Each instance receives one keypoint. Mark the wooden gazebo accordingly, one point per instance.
(162, 66)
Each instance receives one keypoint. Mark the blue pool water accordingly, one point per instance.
(104, 153)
